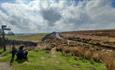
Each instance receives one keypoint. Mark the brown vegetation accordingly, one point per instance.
(93, 45)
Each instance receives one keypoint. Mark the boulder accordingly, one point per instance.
(52, 36)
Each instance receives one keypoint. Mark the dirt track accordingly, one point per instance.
(4, 66)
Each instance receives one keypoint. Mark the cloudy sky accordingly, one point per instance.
(33, 16)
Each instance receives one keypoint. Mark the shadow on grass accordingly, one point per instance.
(21, 61)
(1, 52)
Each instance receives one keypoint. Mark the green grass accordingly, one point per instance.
(40, 60)
(5, 56)
(35, 37)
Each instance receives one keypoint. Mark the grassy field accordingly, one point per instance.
(34, 37)
(40, 60)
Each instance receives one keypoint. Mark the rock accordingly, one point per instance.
(53, 35)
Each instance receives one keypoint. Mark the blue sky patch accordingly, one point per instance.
(3, 1)
(113, 3)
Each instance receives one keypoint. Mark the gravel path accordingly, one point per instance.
(4, 66)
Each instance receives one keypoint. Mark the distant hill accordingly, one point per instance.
(106, 32)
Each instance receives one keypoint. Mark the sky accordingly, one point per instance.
(34, 16)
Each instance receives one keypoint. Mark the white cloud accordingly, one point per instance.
(57, 15)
